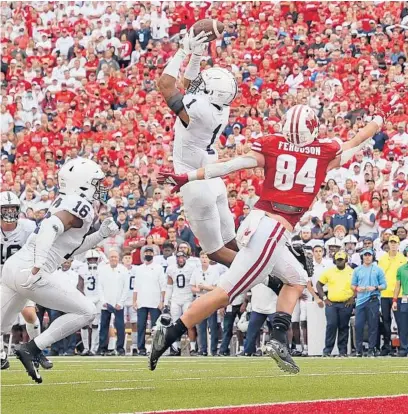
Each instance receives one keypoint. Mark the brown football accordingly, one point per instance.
(209, 26)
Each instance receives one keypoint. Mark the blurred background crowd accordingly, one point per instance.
(79, 79)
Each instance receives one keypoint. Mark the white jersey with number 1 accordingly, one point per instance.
(194, 145)
(205, 202)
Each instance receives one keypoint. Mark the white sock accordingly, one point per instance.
(85, 338)
(33, 329)
(95, 340)
(299, 348)
(112, 342)
(2, 351)
(192, 345)
(134, 338)
(305, 348)
(62, 327)
(241, 348)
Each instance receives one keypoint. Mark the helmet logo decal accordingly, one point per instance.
(311, 122)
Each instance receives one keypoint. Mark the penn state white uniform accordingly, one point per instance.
(48, 291)
(205, 202)
(92, 289)
(130, 314)
(13, 241)
(182, 296)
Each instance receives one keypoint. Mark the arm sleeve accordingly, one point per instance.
(51, 228)
(225, 168)
(89, 242)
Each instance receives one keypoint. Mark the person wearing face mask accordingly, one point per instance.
(148, 295)
(367, 283)
(338, 301)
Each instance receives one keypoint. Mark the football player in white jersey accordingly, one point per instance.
(202, 115)
(130, 313)
(180, 295)
(89, 286)
(14, 233)
(64, 232)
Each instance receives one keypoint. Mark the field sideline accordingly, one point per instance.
(102, 385)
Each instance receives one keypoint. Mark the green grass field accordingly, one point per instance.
(124, 384)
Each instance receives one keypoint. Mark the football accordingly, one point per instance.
(209, 25)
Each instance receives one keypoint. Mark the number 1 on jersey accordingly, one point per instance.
(286, 177)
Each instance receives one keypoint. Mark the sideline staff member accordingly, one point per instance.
(368, 280)
(401, 304)
(339, 303)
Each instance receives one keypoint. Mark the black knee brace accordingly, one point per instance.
(94, 326)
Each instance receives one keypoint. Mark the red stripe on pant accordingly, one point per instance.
(262, 259)
(264, 264)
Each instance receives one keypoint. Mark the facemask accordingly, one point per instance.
(148, 257)
(95, 149)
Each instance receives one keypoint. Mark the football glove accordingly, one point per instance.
(299, 252)
(174, 179)
(108, 228)
(194, 43)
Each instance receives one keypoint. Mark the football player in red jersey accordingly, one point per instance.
(295, 164)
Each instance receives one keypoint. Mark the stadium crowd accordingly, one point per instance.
(79, 79)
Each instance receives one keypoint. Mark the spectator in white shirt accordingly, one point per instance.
(58, 71)
(64, 43)
(148, 295)
(203, 280)
(7, 122)
(44, 203)
(29, 100)
(114, 287)
(77, 72)
(401, 137)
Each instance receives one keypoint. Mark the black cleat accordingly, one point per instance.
(280, 353)
(193, 352)
(159, 342)
(5, 364)
(85, 352)
(299, 252)
(43, 361)
(175, 352)
(28, 360)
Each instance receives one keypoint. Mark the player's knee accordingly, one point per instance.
(29, 315)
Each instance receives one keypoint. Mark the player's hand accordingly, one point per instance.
(394, 306)
(222, 311)
(135, 305)
(243, 307)
(33, 281)
(174, 179)
(192, 43)
(320, 303)
(161, 306)
(108, 228)
(35, 270)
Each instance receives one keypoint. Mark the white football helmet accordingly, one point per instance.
(82, 177)
(92, 257)
(301, 125)
(218, 84)
(350, 239)
(10, 207)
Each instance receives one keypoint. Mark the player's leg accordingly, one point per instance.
(33, 327)
(251, 266)
(176, 310)
(53, 294)
(192, 332)
(95, 331)
(294, 276)
(11, 304)
(85, 340)
(303, 325)
(296, 347)
(205, 220)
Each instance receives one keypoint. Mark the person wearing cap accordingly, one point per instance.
(44, 202)
(113, 279)
(342, 218)
(390, 263)
(148, 295)
(400, 305)
(184, 232)
(368, 282)
(338, 301)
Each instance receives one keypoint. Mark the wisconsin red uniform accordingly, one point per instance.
(293, 175)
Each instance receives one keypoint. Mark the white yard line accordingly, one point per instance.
(124, 389)
(212, 378)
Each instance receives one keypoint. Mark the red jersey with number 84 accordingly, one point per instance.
(293, 175)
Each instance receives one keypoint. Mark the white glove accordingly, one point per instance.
(194, 44)
(108, 228)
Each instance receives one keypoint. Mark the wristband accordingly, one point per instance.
(192, 175)
(394, 300)
(324, 297)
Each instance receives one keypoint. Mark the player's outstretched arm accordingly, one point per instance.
(250, 160)
(350, 148)
(167, 82)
